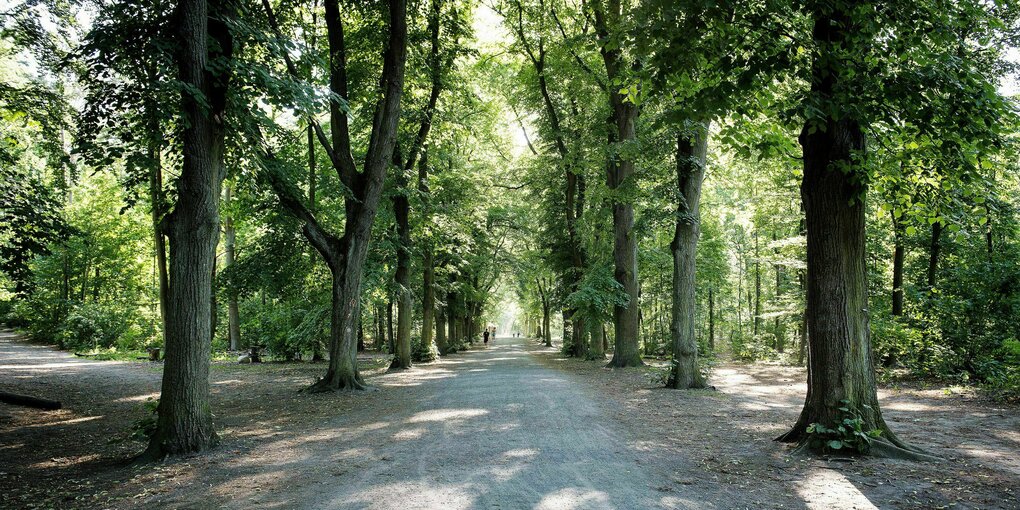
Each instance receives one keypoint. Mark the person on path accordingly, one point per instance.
(485, 336)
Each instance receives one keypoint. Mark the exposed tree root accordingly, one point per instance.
(325, 385)
(395, 365)
(887, 446)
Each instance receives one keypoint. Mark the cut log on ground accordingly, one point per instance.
(27, 401)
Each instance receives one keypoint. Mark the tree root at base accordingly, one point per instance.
(881, 447)
(347, 384)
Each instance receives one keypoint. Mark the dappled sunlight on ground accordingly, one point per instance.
(823, 489)
(571, 498)
(511, 425)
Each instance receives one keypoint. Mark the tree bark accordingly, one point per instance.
(619, 177)
(156, 196)
(757, 285)
(428, 300)
(391, 344)
(346, 256)
(897, 279)
(711, 319)
(440, 325)
(184, 418)
(933, 254)
(840, 366)
(402, 276)
(691, 152)
(233, 311)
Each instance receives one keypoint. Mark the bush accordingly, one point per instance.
(95, 326)
(421, 353)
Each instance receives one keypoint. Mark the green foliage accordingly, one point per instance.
(143, 428)
(846, 436)
(421, 353)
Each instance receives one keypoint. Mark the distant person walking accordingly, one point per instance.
(485, 336)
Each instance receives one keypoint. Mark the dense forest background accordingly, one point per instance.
(496, 208)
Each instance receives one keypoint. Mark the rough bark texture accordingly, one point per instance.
(184, 422)
(691, 152)
(840, 367)
(619, 177)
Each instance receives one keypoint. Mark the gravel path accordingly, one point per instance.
(513, 425)
(484, 429)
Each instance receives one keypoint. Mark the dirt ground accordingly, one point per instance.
(515, 425)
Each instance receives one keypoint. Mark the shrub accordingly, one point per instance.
(421, 353)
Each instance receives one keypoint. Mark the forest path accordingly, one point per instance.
(489, 428)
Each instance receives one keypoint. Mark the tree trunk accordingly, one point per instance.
(391, 346)
(547, 325)
(757, 285)
(691, 152)
(361, 332)
(897, 279)
(346, 256)
(184, 421)
(840, 366)
(598, 342)
(233, 311)
(402, 277)
(453, 342)
(711, 320)
(620, 174)
(933, 258)
(158, 209)
(440, 326)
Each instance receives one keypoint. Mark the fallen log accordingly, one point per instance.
(27, 401)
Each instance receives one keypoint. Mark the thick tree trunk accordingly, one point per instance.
(619, 178)
(691, 152)
(840, 367)
(343, 346)
(598, 342)
(233, 311)
(184, 421)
